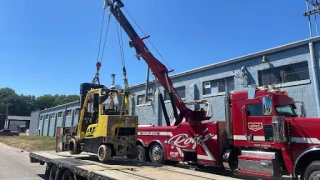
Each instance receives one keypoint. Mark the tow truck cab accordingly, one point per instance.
(268, 132)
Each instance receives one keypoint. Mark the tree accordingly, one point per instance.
(45, 101)
(23, 105)
(7, 97)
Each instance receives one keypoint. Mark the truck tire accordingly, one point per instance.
(135, 153)
(54, 173)
(104, 152)
(67, 175)
(74, 146)
(157, 154)
(141, 154)
(47, 171)
(312, 171)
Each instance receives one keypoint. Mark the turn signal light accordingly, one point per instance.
(285, 92)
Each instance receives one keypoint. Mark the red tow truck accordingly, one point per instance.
(262, 135)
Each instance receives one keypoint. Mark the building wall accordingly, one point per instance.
(241, 72)
(14, 124)
(34, 123)
(64, 115)
(299, 90)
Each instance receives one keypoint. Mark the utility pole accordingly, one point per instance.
(315, 10)
(6, 123)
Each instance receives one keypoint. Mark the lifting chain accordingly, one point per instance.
(96, 77)
(99, 63)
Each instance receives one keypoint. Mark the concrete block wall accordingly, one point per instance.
(34, 123)
(298, 90)
(193, 81)
(62, 117)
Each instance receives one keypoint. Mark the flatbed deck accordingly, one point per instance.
(86, 165)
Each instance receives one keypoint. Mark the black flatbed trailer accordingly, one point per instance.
(62, 165)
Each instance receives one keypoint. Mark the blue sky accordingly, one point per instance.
(50, 47)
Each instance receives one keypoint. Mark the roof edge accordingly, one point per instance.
(73, 102)
(241, 58)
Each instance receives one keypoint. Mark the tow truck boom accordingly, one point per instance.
(157, 68)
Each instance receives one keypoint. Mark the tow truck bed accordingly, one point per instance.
(85, 165)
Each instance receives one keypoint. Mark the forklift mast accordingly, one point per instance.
(84, 88)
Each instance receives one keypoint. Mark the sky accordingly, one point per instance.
(51, 47)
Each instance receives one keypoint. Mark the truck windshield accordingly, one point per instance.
(286, 110)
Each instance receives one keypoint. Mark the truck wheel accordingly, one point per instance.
(67, 175)
(312, 171)
(141, 155)
(74, 146)
(54, 173)
(157, 154)
(134, 154)
(104, 152)
(48, 169)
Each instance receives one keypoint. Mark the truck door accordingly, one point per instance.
(259, 122)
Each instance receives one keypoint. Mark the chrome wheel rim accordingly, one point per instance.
(156, 153)
(315, 175)
(139, 155)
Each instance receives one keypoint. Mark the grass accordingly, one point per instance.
(30, 143)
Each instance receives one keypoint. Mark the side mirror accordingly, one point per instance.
(302, 109)
(267, 105)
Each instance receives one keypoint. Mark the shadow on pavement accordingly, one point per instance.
(219, 171)
(42, 176)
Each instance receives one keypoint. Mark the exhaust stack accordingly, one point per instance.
(227, 103)
(113, 76)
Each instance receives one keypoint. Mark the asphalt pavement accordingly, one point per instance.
(15, 165)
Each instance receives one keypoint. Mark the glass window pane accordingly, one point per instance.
(255, 110)
(221, 85)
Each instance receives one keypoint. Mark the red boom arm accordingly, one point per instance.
(157, 68)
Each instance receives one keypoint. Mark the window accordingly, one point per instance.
(286, 110)
(141, 99)
(255, 110)
(180, 90)
(69, 113)
(76, 112)
(60, 114)
(218, 85)
(283, 74)
(47, 116)
(41, 117)
(53, 115)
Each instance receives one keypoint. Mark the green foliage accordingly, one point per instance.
(22, 105)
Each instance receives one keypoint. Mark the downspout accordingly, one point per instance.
(315, 76)
(49, 122)
(72, 116)
(64, 116)
(55, 124)
(43, 119)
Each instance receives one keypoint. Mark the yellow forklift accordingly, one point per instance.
(105, 126)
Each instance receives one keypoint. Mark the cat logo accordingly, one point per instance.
(90, 131)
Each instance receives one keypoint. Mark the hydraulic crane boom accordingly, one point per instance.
(157, 68)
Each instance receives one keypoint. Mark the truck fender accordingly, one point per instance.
(140, 142)
(301, 159)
